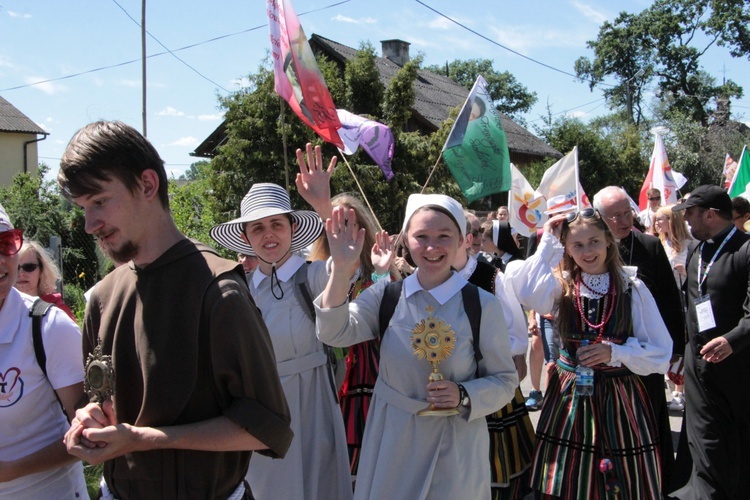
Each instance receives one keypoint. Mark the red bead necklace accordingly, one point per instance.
(609, 307)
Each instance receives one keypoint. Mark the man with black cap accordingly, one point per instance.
(717, 411)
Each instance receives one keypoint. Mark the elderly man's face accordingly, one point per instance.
(618, 215)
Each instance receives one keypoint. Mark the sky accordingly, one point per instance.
(67, 63)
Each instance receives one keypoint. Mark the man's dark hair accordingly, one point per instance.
(104, 150)
(740, 205)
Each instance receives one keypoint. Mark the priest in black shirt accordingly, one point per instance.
(717, 360)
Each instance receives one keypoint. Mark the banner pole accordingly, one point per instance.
(431, 172)
(283, 142)
(343, 157)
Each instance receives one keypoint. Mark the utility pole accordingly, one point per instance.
(628, 98)
(143, 61)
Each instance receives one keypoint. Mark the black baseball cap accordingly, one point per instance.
(707, 196)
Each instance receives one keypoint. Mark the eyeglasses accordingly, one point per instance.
(28, 268)
(618, 217)
(11, 241)
(657, 198)
(586, 213)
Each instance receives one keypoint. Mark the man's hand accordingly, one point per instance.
(716, 350)
(112, 441)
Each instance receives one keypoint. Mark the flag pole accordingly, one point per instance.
(283, 141)
(400, 235)
(343, 157)
(431, 172)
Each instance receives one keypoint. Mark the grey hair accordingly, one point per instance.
(609, 190)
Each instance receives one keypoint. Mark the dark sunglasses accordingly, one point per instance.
(28, 268)
(586, 213)
(658, 198)
(11, 242)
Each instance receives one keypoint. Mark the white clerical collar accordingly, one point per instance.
(284, 273)
(442, 293)
(469, 268)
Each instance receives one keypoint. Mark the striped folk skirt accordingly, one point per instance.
(356, 392)
(587, 445)
(511, 449)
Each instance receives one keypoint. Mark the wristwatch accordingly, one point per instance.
(463, 396)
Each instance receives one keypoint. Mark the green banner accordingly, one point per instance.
(476, 151)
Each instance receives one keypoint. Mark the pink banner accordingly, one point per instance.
(297, 77)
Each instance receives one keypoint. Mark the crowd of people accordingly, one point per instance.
(336, 360)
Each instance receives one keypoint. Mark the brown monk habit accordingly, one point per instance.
(188, 344)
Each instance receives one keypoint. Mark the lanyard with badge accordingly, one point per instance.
(703, 309)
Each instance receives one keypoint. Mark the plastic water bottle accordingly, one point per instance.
(584, 377)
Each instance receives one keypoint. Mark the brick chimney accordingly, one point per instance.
(396, 51)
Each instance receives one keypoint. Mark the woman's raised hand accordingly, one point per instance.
(382, 253)
(344, 242)
(554, 225)
(314, 180)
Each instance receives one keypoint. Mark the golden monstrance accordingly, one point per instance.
(432, 339)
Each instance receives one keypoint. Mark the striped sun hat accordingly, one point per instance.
(264, 200)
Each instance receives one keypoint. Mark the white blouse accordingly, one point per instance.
(535, 285)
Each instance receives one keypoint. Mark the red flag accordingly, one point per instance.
(297, 77)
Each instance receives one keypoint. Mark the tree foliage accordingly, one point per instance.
(399, 96)
(36, 206)
(609, 152)
(509, 95)
(192, 203)
(664, 44)
(364, 91)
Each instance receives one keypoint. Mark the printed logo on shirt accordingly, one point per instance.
(11, 387)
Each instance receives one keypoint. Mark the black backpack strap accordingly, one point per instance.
(473, 308)
(304, 297)
(302, 291)
(38, 310)
(391, 294)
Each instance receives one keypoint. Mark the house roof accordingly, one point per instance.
(12, 120)
(437, 95)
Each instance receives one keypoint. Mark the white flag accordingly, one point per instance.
(659, 177)
(560, 186)
(525, 206)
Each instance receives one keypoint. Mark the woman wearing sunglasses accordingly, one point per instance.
(592, 445)
(38, 275)
(34, 463)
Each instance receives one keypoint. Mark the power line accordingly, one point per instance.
(186, 47)
(573, 108)
(484, 37)
(167, 49)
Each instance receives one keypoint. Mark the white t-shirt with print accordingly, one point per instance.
(30, 416)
